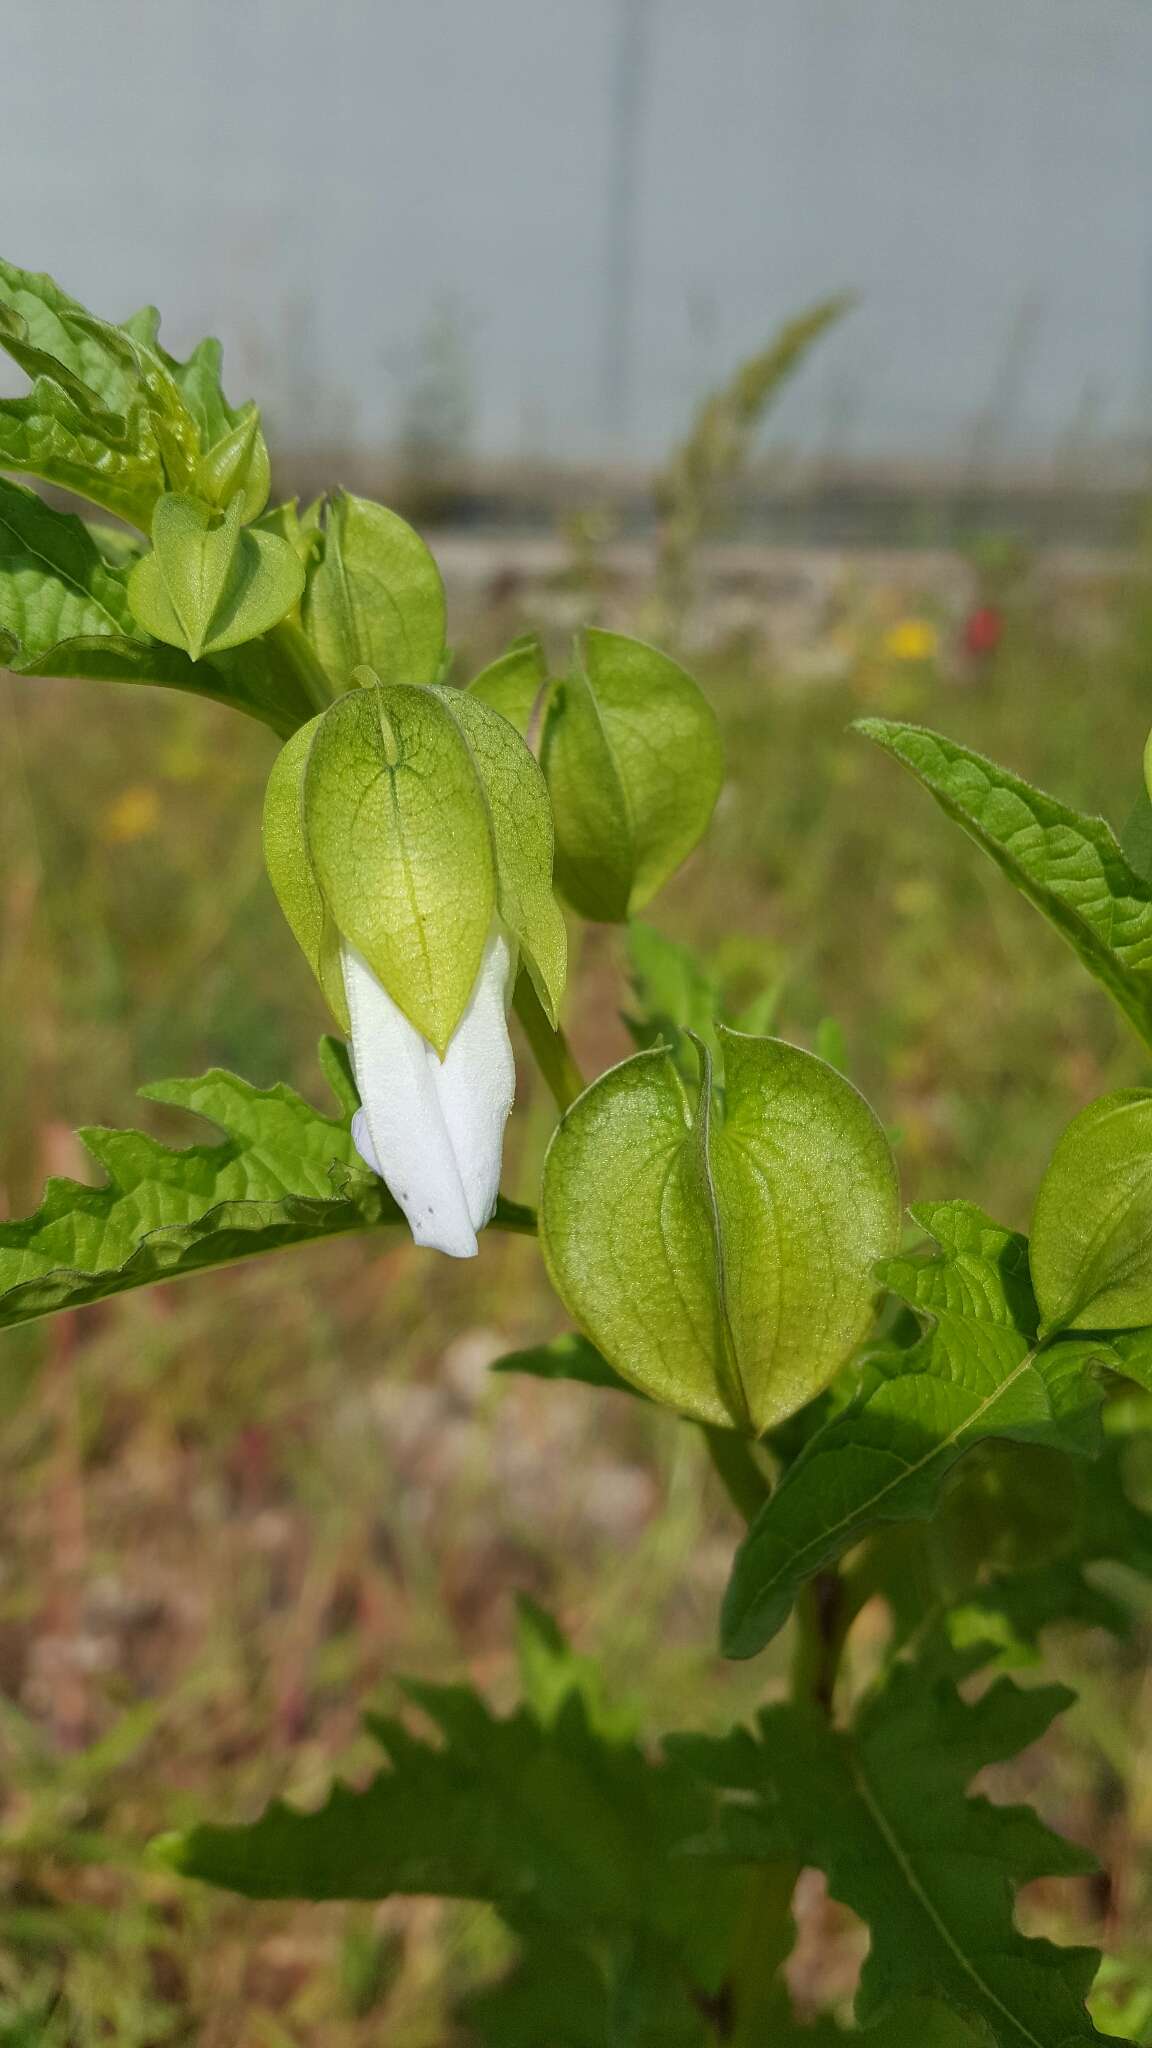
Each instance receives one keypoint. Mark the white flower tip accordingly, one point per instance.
(451, 1236)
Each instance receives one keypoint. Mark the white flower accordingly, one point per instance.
(434, 1129)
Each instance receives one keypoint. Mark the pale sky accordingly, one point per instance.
(310, 180)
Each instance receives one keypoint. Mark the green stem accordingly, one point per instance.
(550, 1048)
(823, 1617)
(743, 1480)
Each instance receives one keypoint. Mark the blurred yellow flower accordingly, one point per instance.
(133, 815)
(912, 640)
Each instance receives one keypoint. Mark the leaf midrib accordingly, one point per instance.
(923, 1899)
(945, 1443)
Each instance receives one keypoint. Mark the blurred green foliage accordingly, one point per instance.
(243, 1504)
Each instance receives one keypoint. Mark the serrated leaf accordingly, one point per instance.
(284, 1174)
(84, 424)
(111, 415)
(1091, 1243)
(555, 1824)
(209, 587)
(48, 435)
(522, 842)
(631, 754)
(881, 1808)
(1069, 865)
(979, 1371)
(50, 334)
(374, 597)
(400, 841)
(723, 1265)
(64, 611)
(55, 585)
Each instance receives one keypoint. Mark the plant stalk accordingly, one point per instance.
(550, 1048)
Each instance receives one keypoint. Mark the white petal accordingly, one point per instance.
(396, 1073)
(476, 1082)
(362, 1139)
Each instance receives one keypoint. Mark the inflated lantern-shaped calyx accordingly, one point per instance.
(721, 1252)
(408, 838)
(631, 754)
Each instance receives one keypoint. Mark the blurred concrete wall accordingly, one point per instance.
(318, 182)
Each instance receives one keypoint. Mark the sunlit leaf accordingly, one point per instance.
(978, 1371)
(284, 1174)
(1091, 1244)
(1069, 865)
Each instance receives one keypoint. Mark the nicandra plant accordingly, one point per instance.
(719, 1216)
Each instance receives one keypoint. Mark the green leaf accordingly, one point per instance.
(522, 842)
(724, 1266)
(515, 685)
(678, 998)
(64, 611)
(560, 1826)
(570, 1357)
(47, 434)
(55, 585)
(551, 1672)
(1066, 1521)
(284, 1175)
(631, 754)
(48, 333)
(115, 418)
(207, 587)
(1070, 866)
(401, 845)
(290, 871)
(978, 1371)
(85, 424)
(1091, 1248)
(881, 1808)
(374, 596)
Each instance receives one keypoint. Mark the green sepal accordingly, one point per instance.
(516, 684)
(723, 1264)
(522, 841)
(374, 596)
(401, 846)
(290, 871)
(210, 586)
(237, 462)
(631, 754)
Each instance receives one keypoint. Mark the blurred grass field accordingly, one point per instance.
(232, 1511)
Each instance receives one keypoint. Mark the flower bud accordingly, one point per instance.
(408, 838)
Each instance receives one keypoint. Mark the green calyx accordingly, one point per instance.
(721, 1257)
(402, 821)
(210, 582)
(374, 595)
(631, 755)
